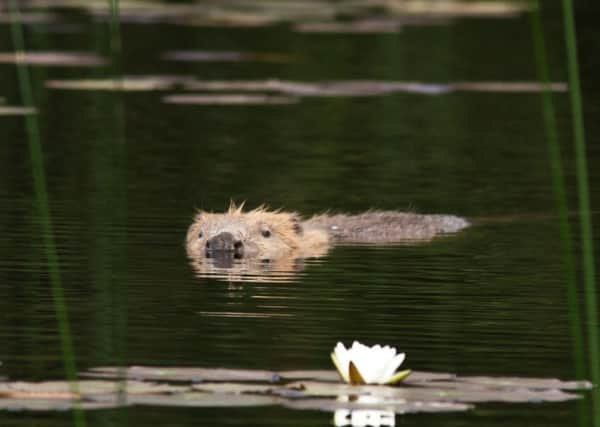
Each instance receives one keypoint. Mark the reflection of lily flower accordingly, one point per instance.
(368, 365)
(363, 417)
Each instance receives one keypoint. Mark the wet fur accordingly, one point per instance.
(384, 227)
(290, 236)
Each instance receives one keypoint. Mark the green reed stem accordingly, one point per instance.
(589, 280)
(41, 195)
(560, 193)
(115, 34)
(119, 183)
(558, 180)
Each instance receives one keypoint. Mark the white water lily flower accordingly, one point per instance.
(368, 365)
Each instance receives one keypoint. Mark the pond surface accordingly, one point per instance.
(125, 172)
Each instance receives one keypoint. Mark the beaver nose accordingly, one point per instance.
(224, 242)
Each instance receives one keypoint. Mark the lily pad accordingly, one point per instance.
(227, 56)
(7, 110)
(149, 373)
(320, 89)
(206, 387)
(53, 59)
(229, 99)
(319, 375)
(530, 383)
(457, 8)
(200, 399)
(509, 87)
(422, 377)
(415, 378)
(459, 392)
(359, 88)
(243, 315)
(362, 26)
(51, 405)
(286, 91)
(253, 13)
(235, 388)
(63, 389)
(125, 84)
(398, 407)
(28, 18)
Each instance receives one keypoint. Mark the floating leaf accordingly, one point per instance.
(125, 84)
(531, 383)
(7, 110)
(205, 387)
(421, 377)
(204, 400)
(256, 13)
(362, 26)
(51, 405)
(227, 56)
(511, 87)
(242, 315)
(53, 59)
(28, 17)
(229, 99)
(235, 388)
(359, 88)
(146, 373)
(457, 8)
(290, 91)
(457, 392)
(320, 375)
(63, 390)
(317, 89)
(398, 407)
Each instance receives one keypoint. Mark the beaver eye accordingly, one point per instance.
(200, 234)
(266, 233)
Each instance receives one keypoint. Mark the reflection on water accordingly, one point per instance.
(282, 269)
(363, 417)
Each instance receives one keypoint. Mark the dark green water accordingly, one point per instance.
(126, 171)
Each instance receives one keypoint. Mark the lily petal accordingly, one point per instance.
(391, 366)
(343, 372)
(399, 377)
(355, 376)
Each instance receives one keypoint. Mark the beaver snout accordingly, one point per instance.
(224, 242)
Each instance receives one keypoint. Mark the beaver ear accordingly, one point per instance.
(297, 225)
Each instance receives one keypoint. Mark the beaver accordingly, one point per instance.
(256, 234)
(265, 234)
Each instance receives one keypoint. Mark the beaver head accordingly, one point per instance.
(259, 234)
